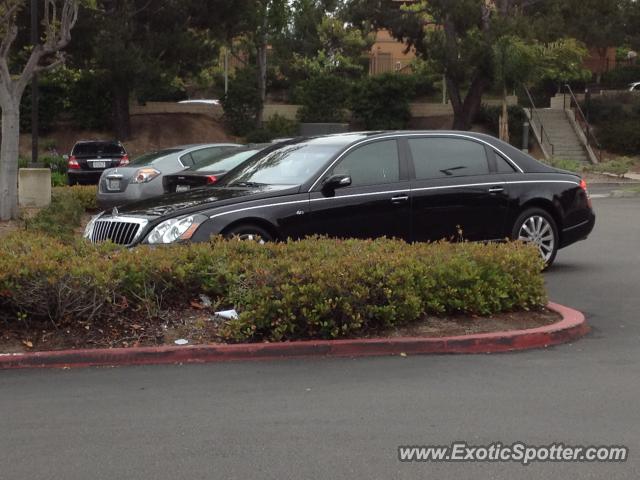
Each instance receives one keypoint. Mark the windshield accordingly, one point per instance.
(98, 148)
(225, 161)
(288, 165)
(148, 158)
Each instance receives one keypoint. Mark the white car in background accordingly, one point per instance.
(142, 177)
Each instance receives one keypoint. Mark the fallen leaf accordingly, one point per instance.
(27, 343)
(402, 354)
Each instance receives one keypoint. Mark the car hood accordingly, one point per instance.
(201, 199)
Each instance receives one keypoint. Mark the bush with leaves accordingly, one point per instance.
(323, 98)
(276, 126)
(567, 164)
(242, 102)
(619, 166)
(621, 77)
(381, 102)
(313, 288)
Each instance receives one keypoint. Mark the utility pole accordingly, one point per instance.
(34, 86)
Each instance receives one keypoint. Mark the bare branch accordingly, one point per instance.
(57, 36)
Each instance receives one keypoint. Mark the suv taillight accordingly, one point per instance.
(583, 186)
(73, 164)
(124, 160)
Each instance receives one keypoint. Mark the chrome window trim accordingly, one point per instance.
(392, 191)
(416, 134)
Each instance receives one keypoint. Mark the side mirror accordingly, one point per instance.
(336, 181)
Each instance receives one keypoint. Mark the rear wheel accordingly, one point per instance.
(536, 226)
(71, 181)
(248, 232)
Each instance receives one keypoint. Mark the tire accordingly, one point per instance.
(249, 232)
(538, 227)
(71, 181)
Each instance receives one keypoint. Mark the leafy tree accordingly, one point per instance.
(58, 21)
(461, 40)
(141, 46)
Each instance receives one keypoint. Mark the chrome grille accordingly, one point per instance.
(118, 230)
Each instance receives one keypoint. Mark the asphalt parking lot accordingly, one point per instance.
(345, 418)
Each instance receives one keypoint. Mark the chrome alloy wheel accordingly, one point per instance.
(537, 230)
(251, 237)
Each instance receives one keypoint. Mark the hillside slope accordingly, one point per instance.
(149, 132)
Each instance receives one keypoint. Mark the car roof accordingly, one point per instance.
(195, 146)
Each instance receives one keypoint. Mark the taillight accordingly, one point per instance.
(73, 164)
(211, 179)
(124, 160)
(583, 186)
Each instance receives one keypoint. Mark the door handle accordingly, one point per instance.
(399, 199)
(496, 189)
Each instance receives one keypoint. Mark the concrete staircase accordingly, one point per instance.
(565, 140)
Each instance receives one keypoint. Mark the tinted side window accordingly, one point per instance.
(447, 157)
(186, 160)
(371, 164)
(502, 165)
(206, 154)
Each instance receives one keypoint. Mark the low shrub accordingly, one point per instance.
(276, 127)
(619, 166)
(314, 288)
(59, 219)
(85, 194)
(620, 136)
(64, 215)
(381, 102)
(59, 179)
(567, 164)
(323, 98)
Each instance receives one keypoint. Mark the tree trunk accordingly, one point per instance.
(504, 119)
(9, 163)
(121, 117)
(262, 70)
(465, 111)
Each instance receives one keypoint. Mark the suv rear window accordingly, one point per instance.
(98, 148)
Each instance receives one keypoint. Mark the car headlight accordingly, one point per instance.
(174, 229)
(88, 230)
(145, 175)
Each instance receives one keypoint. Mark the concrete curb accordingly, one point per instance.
(571, 327)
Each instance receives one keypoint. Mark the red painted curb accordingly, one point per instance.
(571, 327)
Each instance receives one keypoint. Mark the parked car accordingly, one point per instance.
(142, 178)
(634, 87)
(89, 158)
(417, 186)
(209, 171)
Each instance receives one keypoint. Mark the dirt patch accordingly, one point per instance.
(149, 132)
(463, 325)
(199, 325)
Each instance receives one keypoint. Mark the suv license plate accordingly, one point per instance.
(99, 164)
(113, 184)
(182, 188)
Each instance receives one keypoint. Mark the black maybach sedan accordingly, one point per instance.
(417, 186)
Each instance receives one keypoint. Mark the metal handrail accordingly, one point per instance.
(581, 120)
(533, 112)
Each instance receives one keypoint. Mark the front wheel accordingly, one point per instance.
(536, 226)
(252, 233)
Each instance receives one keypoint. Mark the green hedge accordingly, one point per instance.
(315, 288)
